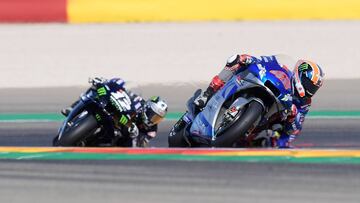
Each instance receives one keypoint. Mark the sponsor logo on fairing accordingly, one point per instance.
(262, 70)
(240, 81)
(101, 91)
(123, 120)
(187, 119)
(287, 97)
(120, 100)
(282, 77)
(98, 117)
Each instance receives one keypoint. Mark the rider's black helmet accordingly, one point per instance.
(308, 78)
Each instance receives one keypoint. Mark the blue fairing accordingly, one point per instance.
(267, 70)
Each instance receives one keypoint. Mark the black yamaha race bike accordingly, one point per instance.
(93, 119)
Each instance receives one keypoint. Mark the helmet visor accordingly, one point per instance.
(310, 88)
(153, 118)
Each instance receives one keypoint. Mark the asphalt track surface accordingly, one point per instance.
(180, 181)
(176, 181)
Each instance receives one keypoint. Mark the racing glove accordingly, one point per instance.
(145, 139)
(98, 84)
(289, 115)
(97, 81)
(235, 62)
(292, 114)
(245, 60)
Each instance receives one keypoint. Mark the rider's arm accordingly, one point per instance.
(293, 125)
(233, 65)
(149, 135)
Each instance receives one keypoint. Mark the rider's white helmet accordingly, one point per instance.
(155, 111)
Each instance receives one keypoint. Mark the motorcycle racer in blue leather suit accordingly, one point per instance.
(306, 80)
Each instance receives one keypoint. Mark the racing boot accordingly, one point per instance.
(261, 140)
(203, 98)
(215, 85)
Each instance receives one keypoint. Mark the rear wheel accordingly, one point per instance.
(80, 129)
(249, 116)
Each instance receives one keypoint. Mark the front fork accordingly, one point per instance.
(179, 125)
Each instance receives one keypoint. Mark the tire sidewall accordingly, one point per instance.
(82, 128)
(252, 113)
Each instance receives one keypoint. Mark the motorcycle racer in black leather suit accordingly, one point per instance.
(142, 118)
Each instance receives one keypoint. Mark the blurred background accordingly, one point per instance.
(52, 47)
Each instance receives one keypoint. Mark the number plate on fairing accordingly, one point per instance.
(121, 100)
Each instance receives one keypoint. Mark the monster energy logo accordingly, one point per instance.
(303, 67)
(98, 117)
(154, 98)
(101, 91)
(123, 120)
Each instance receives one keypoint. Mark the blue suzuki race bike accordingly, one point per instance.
(247, 102)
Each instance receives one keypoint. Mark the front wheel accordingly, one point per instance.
(80, 129)
(252, 113)
(177, 135)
